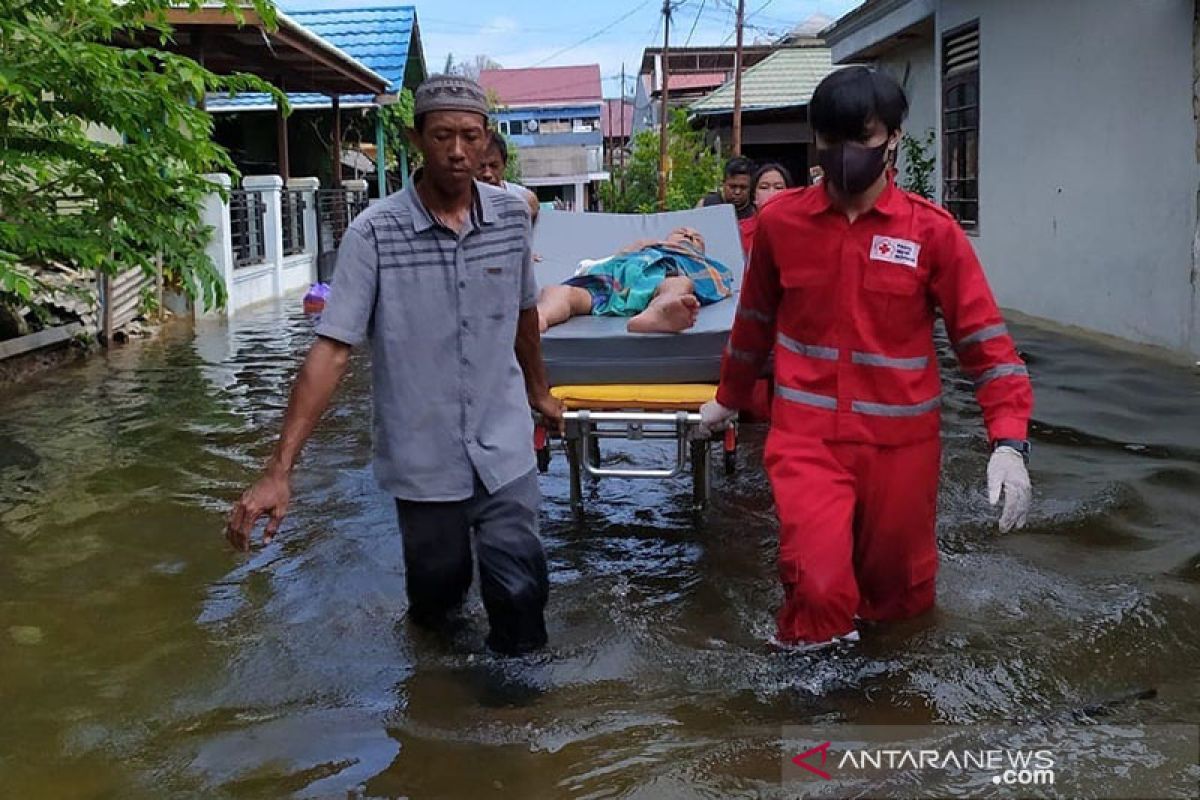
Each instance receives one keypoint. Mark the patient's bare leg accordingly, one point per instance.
(673, 309)
(557, 304)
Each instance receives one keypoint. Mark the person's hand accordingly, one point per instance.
(1007, 473)
(551, 409)
(715, 417)
(269, 497)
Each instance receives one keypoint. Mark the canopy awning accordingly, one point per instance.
(290, 56)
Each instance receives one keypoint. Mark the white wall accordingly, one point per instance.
(1088, 167)
(916, 60)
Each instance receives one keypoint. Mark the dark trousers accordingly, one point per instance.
(512, 567)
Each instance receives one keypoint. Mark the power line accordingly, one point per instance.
(761, 9)
(597, 34)
(694, 23)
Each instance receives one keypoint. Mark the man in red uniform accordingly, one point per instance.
(843, 284)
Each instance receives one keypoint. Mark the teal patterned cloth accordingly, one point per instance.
(624, 284)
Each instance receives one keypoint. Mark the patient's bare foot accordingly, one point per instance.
(667, 315)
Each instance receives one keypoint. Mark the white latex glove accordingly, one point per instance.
(1006, 471)
(715, 417)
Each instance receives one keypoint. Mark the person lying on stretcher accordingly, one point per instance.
(660, 285)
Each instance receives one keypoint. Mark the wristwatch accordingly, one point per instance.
(1020, 445)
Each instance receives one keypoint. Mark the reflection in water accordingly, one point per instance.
(139, 657)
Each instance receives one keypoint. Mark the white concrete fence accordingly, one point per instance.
(265, 238)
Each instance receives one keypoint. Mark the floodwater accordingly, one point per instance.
(141, 657)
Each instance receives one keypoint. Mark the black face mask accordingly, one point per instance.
(852, 169)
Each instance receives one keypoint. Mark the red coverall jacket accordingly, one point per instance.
(849, 310)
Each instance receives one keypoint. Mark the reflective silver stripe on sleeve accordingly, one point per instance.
(982, 335)
(743, 355)
(880, 360)
(806, 398)
(757, 316)
(889, 410)
(1002, 371)
(810, 350)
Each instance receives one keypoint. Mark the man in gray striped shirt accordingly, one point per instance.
(438, 279)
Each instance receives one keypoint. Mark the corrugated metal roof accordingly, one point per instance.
(544, 86)
(380, 38)
(786, 79)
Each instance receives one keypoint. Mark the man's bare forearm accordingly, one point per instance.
(319, 377)
(529, 354)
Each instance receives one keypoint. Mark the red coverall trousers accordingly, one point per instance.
(856, 532)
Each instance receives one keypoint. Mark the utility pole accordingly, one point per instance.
(737, 81)
(664, 115)
(623, 141)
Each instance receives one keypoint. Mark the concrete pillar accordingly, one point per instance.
(270, 188)
(355, 187)
(580, 197)
(214, 213)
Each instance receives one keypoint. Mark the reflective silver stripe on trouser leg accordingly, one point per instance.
(806, 398)
(810, 350)
(982, 335)
(890, 410)
(880, 360)
(1002, 371)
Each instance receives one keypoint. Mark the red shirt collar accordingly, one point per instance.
(889, 203)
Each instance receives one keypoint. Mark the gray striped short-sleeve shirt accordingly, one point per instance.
(440, 311)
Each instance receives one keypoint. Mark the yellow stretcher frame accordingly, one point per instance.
(635, 413)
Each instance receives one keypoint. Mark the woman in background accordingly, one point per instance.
(769, 180)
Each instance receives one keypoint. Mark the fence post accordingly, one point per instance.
(215, 214)
(355, 187)
(270, 188)
(309, 187)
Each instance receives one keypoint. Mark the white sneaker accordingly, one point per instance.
(807, 647)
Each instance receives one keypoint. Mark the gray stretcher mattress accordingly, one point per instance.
(598, 350)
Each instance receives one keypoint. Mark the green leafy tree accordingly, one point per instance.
(103, 148)
(512, 171)
(397, 122)
(694, 169)
(919, 163)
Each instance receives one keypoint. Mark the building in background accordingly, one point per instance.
(554, 117)
(775, 96)
(616, 124)
(694, 71)
(1067, 145)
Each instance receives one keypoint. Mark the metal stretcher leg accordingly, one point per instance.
(701, 483)
(575, 446)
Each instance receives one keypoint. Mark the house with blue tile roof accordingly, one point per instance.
(387, 40)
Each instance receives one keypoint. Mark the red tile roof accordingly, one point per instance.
(611, 114)
(696, 80)
(543, 86)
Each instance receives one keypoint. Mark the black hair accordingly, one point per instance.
(847, 101)
(496, 140)
(773, 167)
(738, 165)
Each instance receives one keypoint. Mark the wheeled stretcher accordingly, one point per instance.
(635, 387)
